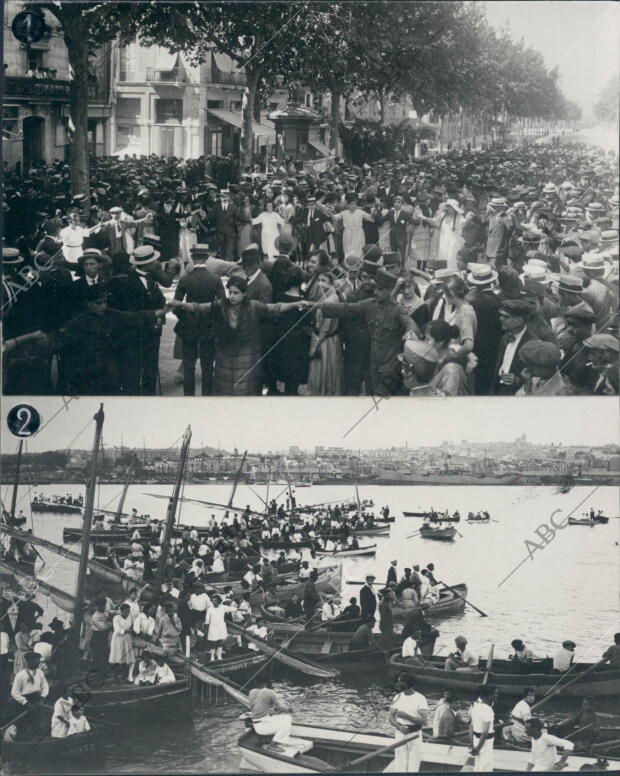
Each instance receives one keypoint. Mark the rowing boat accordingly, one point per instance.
(328, 647)
(416, 514)
(380, 531)
(449, 603)
(478, 519)
(69, 750)
(343, 624)
(580, 521)
(330, 749)
(446, 534)
(350, 552)
(58, 509)
(329, 581)
(600, 683)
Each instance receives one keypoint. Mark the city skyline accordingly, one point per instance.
(261, 425)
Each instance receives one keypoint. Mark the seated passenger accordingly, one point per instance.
(462, 659)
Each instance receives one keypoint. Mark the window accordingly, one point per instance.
(273, 106)
(215, 104)
(216, 143)
(34, 60)
(128, 108)
(235, 105)
(122, 65)
(168, 111)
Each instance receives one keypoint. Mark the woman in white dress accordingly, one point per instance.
(286, 209)
(449, 221)
(61, 714)
(353, 239)
(121, 644)
(217, 631)
(270, 223)
(218, 563)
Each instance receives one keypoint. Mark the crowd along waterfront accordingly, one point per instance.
(580, 561)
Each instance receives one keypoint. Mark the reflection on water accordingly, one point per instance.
(567, 589)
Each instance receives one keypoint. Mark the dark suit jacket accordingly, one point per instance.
(225, 221)
(368, 602)
(276, 274)
(127, 292)
(77, 295)
(516, 367)
(199, 285)
(312, 233)
(489, 331)
(391, 575)
(398, 229)
(260, 289)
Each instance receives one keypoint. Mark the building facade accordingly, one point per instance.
(35, 114)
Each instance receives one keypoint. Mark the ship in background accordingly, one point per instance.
(403, 475)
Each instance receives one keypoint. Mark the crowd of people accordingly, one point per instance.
(470, 272)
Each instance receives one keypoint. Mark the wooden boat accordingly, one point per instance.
(70, 750)
(335, 750)
(479, 519)
(416, 514)
(448, 604)
(581, 521)
(343, 624)
(446, 534)
(327, 647)
(603, 519)
(57, 509)
(379, 531)
(329, 581)
(367, 551)
(601, 683)
(276, 544)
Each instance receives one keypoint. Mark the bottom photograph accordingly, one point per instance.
(200, 586)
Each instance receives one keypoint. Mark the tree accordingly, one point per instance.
(606, 107)
(85, 27)
(264, 42)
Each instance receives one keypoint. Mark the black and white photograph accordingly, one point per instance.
(412, 594)
(310, 199)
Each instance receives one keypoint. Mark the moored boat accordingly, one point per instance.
(71, 750)
(600, 683)
(350, 552)
(330, 749)
(580, 521)
(54, 508)
(446, 534)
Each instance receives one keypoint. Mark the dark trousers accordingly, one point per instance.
(356, 367)
(485, 377)
(226, 245)
(30, 726)
(139, 366)
(192, 351)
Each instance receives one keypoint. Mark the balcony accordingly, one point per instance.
(44, 88)
(176, 75)
(221, 77)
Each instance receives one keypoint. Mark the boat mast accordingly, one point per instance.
(16, 483)
(76, 625)
(236, 481)
(121, 502)
(172, 509)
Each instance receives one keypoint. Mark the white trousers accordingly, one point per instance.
(484, 759)
(278, 725)
(407, 758)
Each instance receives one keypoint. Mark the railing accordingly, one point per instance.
(221, 77)
(17, 86)
(176, 75)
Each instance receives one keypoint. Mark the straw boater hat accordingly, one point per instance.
(596, 207)
(11, 256)
(571, 283)
(481, 274)
(145, 254)
(594, 264)
(536, 270)
(453, 203)
(550, 188)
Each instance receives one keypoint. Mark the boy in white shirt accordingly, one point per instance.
(544, 755)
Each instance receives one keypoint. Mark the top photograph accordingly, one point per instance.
(310, 199)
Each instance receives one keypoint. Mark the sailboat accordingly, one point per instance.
(18, 554)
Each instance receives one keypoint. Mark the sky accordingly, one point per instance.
(581, 37)
(263, 424)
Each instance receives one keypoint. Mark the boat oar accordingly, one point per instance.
(561, 689)
(607, 744)
(415, 533)
(458, 595)
(377, 753)
(489, 664)
(14, 720)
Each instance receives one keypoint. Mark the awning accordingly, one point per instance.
(165, 60)
(320, 147)
(235, 120)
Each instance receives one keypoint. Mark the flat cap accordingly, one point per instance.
(540, 353)
(602, 342)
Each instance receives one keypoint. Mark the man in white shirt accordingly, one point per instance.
(544, 755)
(144, 624)
(409, 648)
(29, 688)
(252, 578)
(481, 729)
(257, 629)
(563, 658)
(408, 714)
(513, 316)
(461, 659)
(199, 602)
(73, 237)
(520, 715)
(330, 609)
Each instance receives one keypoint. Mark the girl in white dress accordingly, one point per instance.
(62, 714)
(217, 630)
(271, 223)
(353, 239)
(121, 644)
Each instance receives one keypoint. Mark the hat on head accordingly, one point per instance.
(151, 239)
(250, 253)
(572, 250)
(519, 308)
(540, 353)
(78, 198)
(531, 237)
(596, 207)
(534, 288)
(602, 342)
(144, 254)
(550, 188)
(384, 280)
(481, 274)
(371, 252)
(200, 249)
(92, 253)
(369, 267)
(453, 203)
(580, 312)
(436, 264)
(416, 350)
(444, 274)
(311, 199)
(498, 202)
(571, 283)
(116, 209)
(593, 264)
(11, 256)
(352, 262)
(225, 191)
(609, 236)
(535, 270)
(285, 244)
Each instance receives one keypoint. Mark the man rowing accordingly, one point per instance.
(544, 753)
(521, 714)
(461, 659)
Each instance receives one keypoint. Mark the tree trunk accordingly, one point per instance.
(334, 122)
(381, 98)
(247, 132)
(257, 105)
(77, 47)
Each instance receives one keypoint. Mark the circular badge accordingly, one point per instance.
(28, 27)
(23, 420)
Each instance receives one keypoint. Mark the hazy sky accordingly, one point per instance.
(269, 424)
(581, 38)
